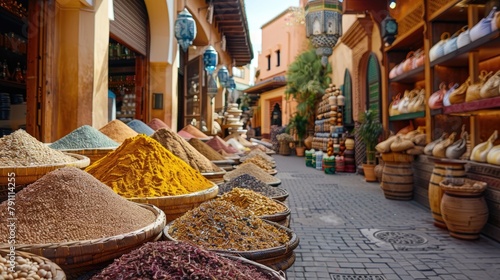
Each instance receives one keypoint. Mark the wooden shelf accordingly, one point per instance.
(408, 116)
(411, 41)
(411, 76)
(12, 84)
(447, 12)
(487, 47)
(474, 107)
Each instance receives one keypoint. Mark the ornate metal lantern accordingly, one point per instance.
(231, 84)
(223, 76)
(212, 89)
(324, 25)
(185, 29)
(210, 60)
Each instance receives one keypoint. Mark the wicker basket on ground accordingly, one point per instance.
(92, 154)
(79, 257)
(49, 266)
(176, 206)
(277, 258)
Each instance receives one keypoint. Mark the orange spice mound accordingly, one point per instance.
(194, 131)
(118, 131)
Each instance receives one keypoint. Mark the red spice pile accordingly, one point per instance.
(156, 124)
(194, 131)
(218, 144)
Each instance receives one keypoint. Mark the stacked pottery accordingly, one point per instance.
(233, 120)
(349, 161)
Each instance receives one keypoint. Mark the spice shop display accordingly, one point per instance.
(223, 227)
(140, 127)
(329, 119)
(118, 131)
(250, 182)
(176, 260)
(156, 124)
(82, 138)
(46, 216)
(182, 149)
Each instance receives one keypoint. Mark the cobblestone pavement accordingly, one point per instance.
(348, 230)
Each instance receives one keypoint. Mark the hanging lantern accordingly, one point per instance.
(324, 25)
(211, 88)
(230, 83)
(185, 29)
(223, 76)
(210, 59)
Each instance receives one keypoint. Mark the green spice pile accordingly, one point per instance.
(84, 137)
(69, 204)
(220, 225)
(205, 150)
(21, 149)
(179, 260)
(248, 181)
(258, 204)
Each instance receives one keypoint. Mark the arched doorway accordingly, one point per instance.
(373, 89)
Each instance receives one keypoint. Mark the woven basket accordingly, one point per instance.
(80, 257)
(215, 177)
(274, 275)
(55, 270)
(277, 258)
(176, 206)
(92, 154)
(27, 175)
(283, 196)
(279, 218)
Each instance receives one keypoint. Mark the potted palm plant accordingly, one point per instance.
(298, 125)
(369, 131)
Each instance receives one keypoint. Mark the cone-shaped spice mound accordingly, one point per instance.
(194, 131)
(181, 148)
(69, 205)
(205, 150)
(84, 137)
(142, 167)
(156, 124)
(118, 131)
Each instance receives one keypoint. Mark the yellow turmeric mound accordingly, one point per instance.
(142, 167)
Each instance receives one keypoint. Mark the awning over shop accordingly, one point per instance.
(267, 85)
(231, 19)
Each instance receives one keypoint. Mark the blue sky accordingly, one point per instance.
(260, 12)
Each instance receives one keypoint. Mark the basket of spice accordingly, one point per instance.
(142, 170)
(260, 205)
(18, 264)
(86, 141)
(27, 159)
(248, 181)
(255, 171)
(181, 260)
(77, 222)
(223, 227)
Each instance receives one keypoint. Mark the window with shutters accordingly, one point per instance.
(373, 85)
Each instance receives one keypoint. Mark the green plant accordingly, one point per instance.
(298, 124)
(369, 131)
(306, 81)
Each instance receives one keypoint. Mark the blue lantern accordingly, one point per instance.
(185, 29)
(223, 76)
(324, 25)
(230, 83)
(210, 59)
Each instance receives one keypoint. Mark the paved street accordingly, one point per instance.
(348, 230)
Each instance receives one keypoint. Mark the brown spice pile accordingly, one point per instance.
(205, 150)
(156, 124)
(69, 204)
(260, 153)
(194, 131)
(219, 144)
(260, 162)
(118, 131)
(257, 203)
(181, 148)
(218, 224)
(240, 139)
(253, 170)
(21, 149)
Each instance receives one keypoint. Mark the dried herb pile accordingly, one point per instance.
(205, 150)
(181, 148)
(248, 181)
(178, 260)
(118, 131)
(21, 149)
(68, 205)
(220, 225)
(257, 203)
(84, 137)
